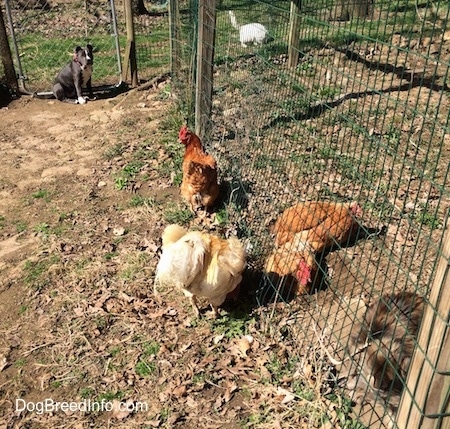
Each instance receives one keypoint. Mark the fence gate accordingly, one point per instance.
(45, 33)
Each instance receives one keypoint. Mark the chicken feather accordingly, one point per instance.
(306, 229)
(200, 264)
(199, 186)
(319, 220)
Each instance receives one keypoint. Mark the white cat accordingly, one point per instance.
(249, 33)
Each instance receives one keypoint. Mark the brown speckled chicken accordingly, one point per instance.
(199, 186)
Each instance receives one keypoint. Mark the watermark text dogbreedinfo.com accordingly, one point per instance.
(86, 406)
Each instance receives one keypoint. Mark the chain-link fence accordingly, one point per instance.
(344, 102)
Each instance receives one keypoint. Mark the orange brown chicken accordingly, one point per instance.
(201, 265)
(199, 186)
(321, 222)
(304, 230)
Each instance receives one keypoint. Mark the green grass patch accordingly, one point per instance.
(110, 255)
(41, 194)
(144, 368)
(146, 365)
(114, 151)
(110, 395)
(175, 213)
(139, 200)
(426, 216)
(230, 326)
(86, 392)
(20, 225)
(128, 174)
(20, 363)
(35, 272)
(43, 228)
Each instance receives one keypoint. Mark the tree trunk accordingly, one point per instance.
(8, 66)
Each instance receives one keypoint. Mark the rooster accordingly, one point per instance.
(304, 230)
(201, 265)
(199, 186)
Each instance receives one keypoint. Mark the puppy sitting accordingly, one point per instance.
(74, 76)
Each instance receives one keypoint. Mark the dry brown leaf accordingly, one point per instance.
(124, 297)
(172, 312)
(191, 402)
(218, 338)
(241, 346)
(277, 424)
(184, 347)
(307, 370)
(121, 410)
(174, 418)
(153, 423)
(78, 312)
(179, 391)
(229, 391)
(103, 298)
(219, 402)
(284, 396)
(3, 362)
(119, 231)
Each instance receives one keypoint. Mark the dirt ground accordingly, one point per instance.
(79, 321)
(63, 225)
(79, 242)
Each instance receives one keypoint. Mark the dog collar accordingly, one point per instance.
(81, 65)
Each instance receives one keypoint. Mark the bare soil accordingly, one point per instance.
(77, 257)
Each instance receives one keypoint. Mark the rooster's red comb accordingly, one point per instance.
(184, 132)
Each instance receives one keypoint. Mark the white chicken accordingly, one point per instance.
(200, 264)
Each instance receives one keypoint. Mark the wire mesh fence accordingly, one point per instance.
(152, 41)
(344, 103)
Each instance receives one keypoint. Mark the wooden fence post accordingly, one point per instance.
(429, 374)
(175, 50)
(205, 59)
(294, 27)
(130, 50)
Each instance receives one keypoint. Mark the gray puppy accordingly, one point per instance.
(74, 76)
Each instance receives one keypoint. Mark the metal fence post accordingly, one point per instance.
(205, 57)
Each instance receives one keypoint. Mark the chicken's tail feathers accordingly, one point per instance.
(233, 20)
(172, 233)
(235, 257)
